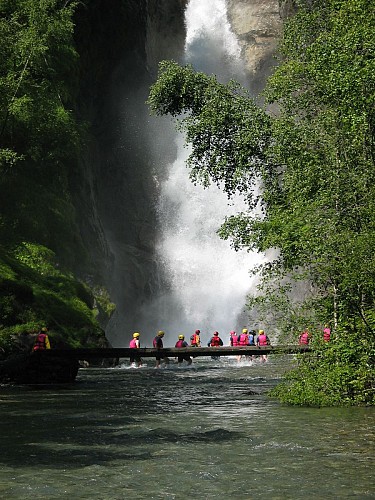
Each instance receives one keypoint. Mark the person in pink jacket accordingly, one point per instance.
(326, 333)
(262, 341)
(135, 360)
(304, 338)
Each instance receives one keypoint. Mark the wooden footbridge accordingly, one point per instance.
(126, 352)
(56, 366)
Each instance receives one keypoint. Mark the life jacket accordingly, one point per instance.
(195, 339)
(180, 343)
(326, 334)
(215, 341)
(243, 339)
(234, 340)
(133, 344)
(262, 339)
(40, 342)
(304, 338)
(251, 339)
(157, 343)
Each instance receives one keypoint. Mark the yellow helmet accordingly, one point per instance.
(181, 337)
(261, 332)
(44, 329)
(244, 330)
(135, 335)
(161, 333)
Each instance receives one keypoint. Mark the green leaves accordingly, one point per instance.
(227, 131)
(39, 136)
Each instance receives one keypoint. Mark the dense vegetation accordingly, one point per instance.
(40, 140)
(306, 167)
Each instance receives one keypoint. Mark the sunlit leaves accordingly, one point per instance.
(37, 76)
(227, 131)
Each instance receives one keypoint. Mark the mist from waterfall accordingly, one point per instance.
(207, 280)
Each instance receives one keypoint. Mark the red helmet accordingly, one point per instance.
(197, 331)
(232, 332)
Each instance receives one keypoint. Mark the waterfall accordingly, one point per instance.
(207, 281)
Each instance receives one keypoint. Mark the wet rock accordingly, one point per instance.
(257, 25)
(36, 369)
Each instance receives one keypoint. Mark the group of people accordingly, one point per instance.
(249, 338)
(305, 336)
(246, 338)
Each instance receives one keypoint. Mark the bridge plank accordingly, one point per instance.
(126, 352)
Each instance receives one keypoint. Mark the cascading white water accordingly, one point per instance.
(209, 281)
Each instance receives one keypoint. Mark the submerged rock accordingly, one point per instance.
(35, 369)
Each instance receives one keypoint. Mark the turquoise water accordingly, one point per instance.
(208, 431)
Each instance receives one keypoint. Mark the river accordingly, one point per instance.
(207, 431)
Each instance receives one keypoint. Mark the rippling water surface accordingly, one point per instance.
(207, 431)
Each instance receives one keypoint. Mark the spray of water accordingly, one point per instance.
(208, 281)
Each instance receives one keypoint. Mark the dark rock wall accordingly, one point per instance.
(120, 43)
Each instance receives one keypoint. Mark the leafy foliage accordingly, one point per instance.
(40, 140)
(340, 372)
(228, 132)
(39, 136)
(35, 293)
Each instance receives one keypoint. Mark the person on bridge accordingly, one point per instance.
(158, 344)
(181, 342)
(243, 339)
(135, 360)
(252, 334)
(42, 341)
(195, 339)
(304, 338)
(233, 339)
(251, 338)
(262, 341)
(215, 341)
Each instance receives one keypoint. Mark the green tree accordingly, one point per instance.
(40, 140)
(39, 136)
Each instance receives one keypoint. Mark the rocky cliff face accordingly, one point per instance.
(120, 44)
(257, 24)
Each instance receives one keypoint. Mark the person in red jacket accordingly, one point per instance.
(42, 340)
(215, 341)
(195, 339)
(180, 344)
